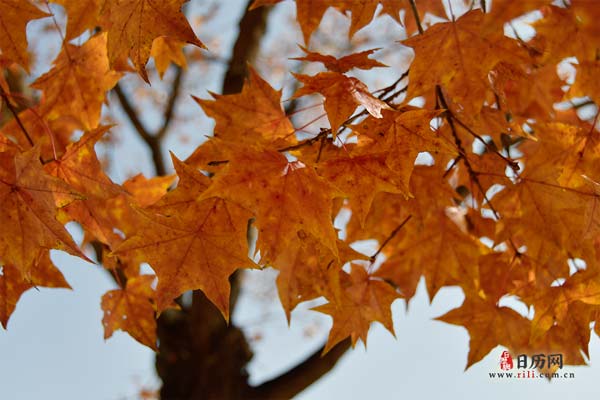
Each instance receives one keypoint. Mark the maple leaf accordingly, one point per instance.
(564, 216)
(78, 82)
(307, 270)
(285, 197)
(586, 83)
(148, 191)
(190, 242)
(501, 12)
(81, 169)
(422, 8)
(342, 95)
(13, 284)
(344, 64)
(253, 116)
(119, 213)
(131, 310)
(488, 325)
(28, 207)
(310, 12)
(569, 305)
(52, 136)
(82, 15)
(430, 243)
(363, 300)
(14, 18)
(165, 51)
(574, 147)
(578, 39)
(134, 24)
(527, 91)
(558, 340)
(360, 174)
(444, 54)
(403, 135)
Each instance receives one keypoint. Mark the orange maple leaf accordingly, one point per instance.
(362, 301)
(165, 51)
(444, 54)
(360, 173)
(342, 95)
(78, 82)
(131, 310)
(82, 15)
(28, 205)
(14, 18)
(191, 242)
(403, 135)
(489, 326)
(285, 197)
(134, 24)
(344, 64)
(307, 270)
(80, 168)
(253, 116)
(13, 284)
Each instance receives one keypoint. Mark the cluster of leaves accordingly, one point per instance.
(508, 205)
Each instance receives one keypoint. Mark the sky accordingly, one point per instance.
(54, 347)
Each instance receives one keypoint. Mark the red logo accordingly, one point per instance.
(506, 361)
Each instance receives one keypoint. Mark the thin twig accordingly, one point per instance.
(153, 141)
(415, 12)
(471, 171)
(583, 104)
(131, 114)
(549, 184)
(389, 238)
(395, 94)
(16, 116)
(483, 6)
(383, 92)
(511, 163)
(169, 110)
(454, 163)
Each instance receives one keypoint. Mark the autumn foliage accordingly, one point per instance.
(479, 167)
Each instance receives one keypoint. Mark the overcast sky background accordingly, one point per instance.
(54, 346)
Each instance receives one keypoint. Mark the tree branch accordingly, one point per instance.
(152, 141)
(169, 110)
(415, 12)
(301, 376)
(251, 30)
(131, 114)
